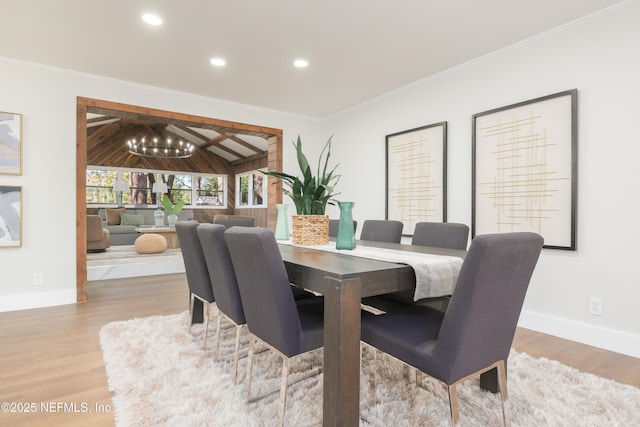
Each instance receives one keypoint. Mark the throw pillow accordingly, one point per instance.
(113, 215)
(130, 219)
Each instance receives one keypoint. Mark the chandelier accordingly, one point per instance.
(155, 148)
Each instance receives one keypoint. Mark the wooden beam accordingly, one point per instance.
(213, 142)
(101, 119)
(81, 203)
(124, 110)
(245, 144)
(248, 159)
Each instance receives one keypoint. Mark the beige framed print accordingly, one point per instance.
(10, 143)
(416, 176)
(10, 216)
(525, 169)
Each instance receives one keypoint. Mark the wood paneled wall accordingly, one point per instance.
(115, 153)
(109, 149)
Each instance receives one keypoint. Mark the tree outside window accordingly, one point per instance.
(100, 186)
(179, 187)
(210, 190)
(251, 190)
(205, 190)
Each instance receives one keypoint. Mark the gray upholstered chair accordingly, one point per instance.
(475, 334)
(450, 235)
(223, 281)
(230, 221)
(378, 230)
(333, 227)
(272, 314)
(98, 239)
(388, 231)
(196, 270)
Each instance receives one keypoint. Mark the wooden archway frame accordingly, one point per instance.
(88, 105)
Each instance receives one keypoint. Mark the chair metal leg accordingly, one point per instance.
(502, 381)
(192, 298)
(206, 324)
(235, 361)
(217, 350)
(285, 373)
(501, 369)
(283, 388)
(413, 375)
(237, 344)
(453, 403)
(249, 362)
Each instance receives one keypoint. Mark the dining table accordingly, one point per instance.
(344, 280)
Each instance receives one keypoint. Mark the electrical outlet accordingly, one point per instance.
(38, 279)
(595, 306)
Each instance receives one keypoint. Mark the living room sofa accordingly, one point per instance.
(122, 223)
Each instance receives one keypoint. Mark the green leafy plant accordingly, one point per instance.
(310, 193)
(170, 207)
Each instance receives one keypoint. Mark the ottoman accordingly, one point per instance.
(150, 244)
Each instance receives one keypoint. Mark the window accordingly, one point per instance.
(251, 190)
(126, 195)
(205, 190)
(210, 190)
(100, 186)
(140, 189)
(179, 187)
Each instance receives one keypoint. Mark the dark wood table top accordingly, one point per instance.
(307, 267)
(415, 248)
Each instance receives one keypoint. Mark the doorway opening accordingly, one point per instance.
(108, 108)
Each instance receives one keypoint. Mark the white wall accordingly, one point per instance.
(600, 58)
(46, 98)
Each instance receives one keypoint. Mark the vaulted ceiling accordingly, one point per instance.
(216, 147)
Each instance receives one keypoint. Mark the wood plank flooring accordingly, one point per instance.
(52, 356)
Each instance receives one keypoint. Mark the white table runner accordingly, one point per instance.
(436, 275)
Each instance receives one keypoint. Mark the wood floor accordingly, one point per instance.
(51, 357)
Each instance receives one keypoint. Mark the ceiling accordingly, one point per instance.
(108, 133)
(357, 49)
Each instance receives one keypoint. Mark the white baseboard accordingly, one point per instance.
(37, 300)
(608, 339)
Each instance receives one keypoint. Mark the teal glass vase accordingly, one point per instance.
(346, 238)
(282, 223)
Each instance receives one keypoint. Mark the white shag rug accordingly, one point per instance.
(160, 375)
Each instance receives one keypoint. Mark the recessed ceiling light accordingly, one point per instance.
(152, 19)
(218, 62)
(301, 63)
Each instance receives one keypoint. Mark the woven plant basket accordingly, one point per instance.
(310, 230)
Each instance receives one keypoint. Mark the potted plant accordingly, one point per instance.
(172, 209)
(310, 194)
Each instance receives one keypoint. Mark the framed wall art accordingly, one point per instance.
(10, 143)
(10, 216)
(525, 169)
(416, 175)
